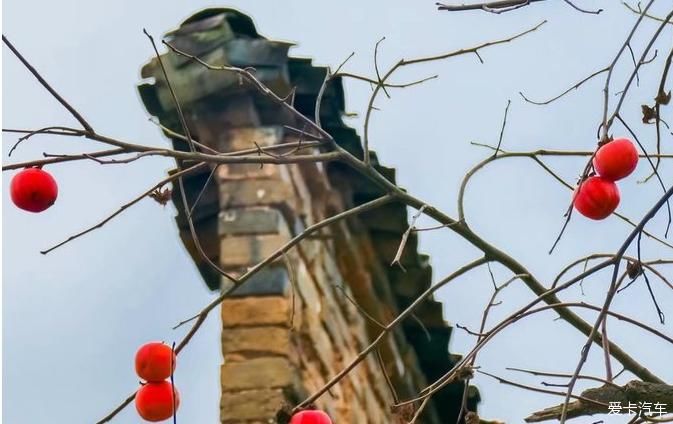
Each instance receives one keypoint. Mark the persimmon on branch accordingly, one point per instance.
(536, 156)
(324, 147)
(607, 121)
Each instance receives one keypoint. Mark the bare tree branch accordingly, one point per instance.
(597, 400)
(48, 87)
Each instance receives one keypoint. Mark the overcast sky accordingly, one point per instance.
(73, 319)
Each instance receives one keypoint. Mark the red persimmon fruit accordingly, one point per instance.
(311, 416)
(154, 401)
(33, 190)
(596, 197)
(155, 361)
(616, 159)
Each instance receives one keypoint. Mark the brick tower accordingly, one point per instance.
(291, 327)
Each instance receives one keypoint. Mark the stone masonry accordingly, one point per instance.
(297, 323)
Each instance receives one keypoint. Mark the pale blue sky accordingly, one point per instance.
(73, 319)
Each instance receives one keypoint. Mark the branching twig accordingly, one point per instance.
(574, 87)
(502, 129)
(611, 293)
(402, 62)
(405, 236)
(640, 12)
(123, 208)
(533, 155)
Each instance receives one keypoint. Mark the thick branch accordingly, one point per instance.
(502, 6)
(498, 255)
(634, 393)
(491, 6)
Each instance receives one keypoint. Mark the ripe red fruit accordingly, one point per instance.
(155, 361)
(596, 197)
(310, 416)
(154, 401)
(616, 159)
(33, 190)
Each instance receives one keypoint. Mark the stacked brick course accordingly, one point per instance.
(295, 324)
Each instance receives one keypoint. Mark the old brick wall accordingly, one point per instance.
(300, 321)
(306, 330)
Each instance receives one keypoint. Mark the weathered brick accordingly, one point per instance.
(338, 330)
(357, 381)
(312, 376)
(250, 405)
(269, 372)
(243, 251)
(358, 412)
(236, 139)
(265, 339)
(237, 111)
(331, 314)
(272, 280)
(322, 343)
(254, 192)
(333, 274)
(304, 201)
(255, 220)
(371, 369)
(273, 310)
(245, 171)
(310, 246)
(306, 287)
(374, 409)
(232, 172)
(315, 268)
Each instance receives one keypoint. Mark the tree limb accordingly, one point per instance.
(633, 393)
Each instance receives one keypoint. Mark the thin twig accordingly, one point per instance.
(48, 87)
(502, 129)
(403, 62)
(574, 87)
(640, 12)
(405, 237)
(123, 208)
